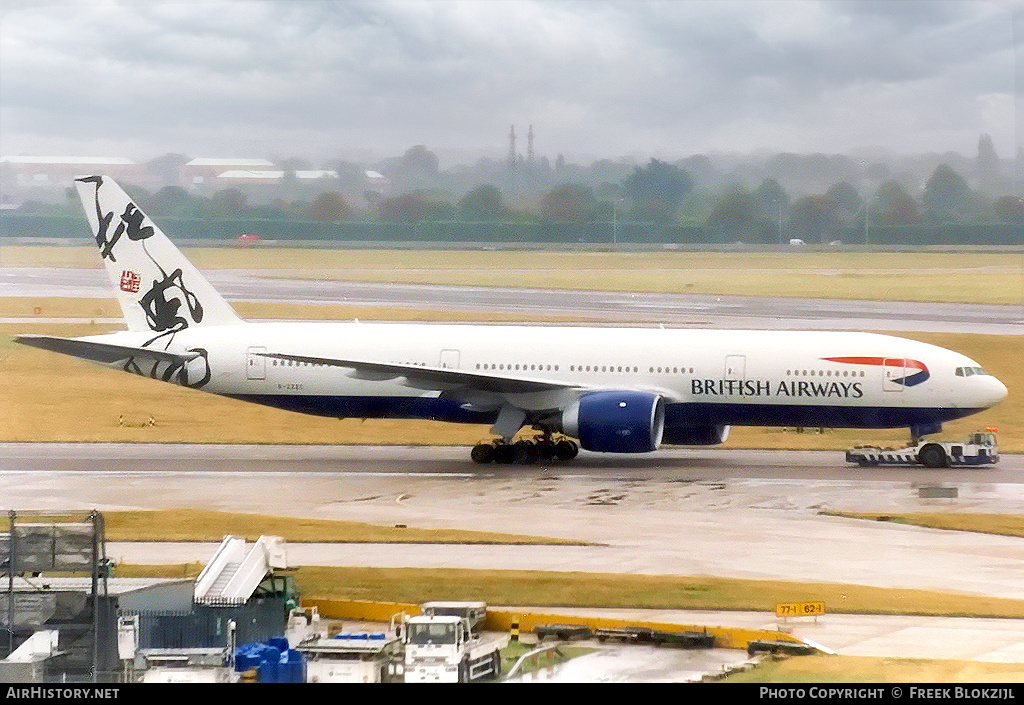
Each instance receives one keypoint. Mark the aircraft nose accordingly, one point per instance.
(994, 391)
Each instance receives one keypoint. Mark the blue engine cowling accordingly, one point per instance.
(695, 435)
(616, 422)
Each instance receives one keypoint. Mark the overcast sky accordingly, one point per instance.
(363, 80)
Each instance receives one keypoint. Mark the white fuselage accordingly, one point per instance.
(706, 377)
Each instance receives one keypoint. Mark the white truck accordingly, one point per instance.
(442, 645)
(352, 657)
(979, 449)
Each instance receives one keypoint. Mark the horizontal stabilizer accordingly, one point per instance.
(103, 353)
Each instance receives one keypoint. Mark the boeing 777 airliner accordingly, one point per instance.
(602, 389)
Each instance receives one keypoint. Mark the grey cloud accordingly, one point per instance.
(603, 78)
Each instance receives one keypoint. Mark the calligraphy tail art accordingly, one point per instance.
(158, 289)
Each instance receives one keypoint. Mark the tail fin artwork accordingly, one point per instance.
(158, 289)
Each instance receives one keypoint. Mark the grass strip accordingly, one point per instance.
(613, 590)
(999, 524)
(909, 276)
(204, 525)
(872, 669)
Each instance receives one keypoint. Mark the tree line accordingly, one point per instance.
(652, 202)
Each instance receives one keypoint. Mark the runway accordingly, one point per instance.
(619, 308)
(748, 514)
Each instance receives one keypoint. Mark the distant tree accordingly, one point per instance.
(811, 168)
(406, 208)
(700, 168)
(329, 207)
(771, 200)
(811, 219)
(441, 211)
(568, 202)
(420, 162)
(228, 203)
(482, 203)
(877, 172)
(279, 209)
(893, 205)
(844, 199)
(1010, 209)
(946, 195)
(735, 216)
(656, 190)
(173, 201)
(607, 191)
(988, 161)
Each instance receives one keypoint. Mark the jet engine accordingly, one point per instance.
(695, 435)
(616, 422)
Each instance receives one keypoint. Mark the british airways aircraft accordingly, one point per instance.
(602, 389)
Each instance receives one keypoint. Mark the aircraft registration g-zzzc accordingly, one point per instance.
(603, 389)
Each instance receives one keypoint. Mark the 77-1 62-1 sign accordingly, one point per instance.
(799, 609)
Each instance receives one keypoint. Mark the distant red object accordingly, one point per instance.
(248, 240)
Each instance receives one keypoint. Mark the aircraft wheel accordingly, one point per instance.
(545, 450)
(933, 456)
(525, 452)
(504, 454)
(482, 453)
(566, 450)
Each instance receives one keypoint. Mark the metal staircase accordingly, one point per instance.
(236, 570)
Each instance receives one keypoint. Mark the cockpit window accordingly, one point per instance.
(969, 371)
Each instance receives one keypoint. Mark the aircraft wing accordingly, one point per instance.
(104, 353)
(439, 378)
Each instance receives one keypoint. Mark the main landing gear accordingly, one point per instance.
(524, 452)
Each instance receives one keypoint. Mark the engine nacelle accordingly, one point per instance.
(616, 422)
(695, 435)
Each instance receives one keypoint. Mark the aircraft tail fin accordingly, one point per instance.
(158, 289)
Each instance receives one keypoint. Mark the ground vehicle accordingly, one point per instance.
(979, 449)
(565, 632)
(686, 640)
(443, 646)
(351, 657)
